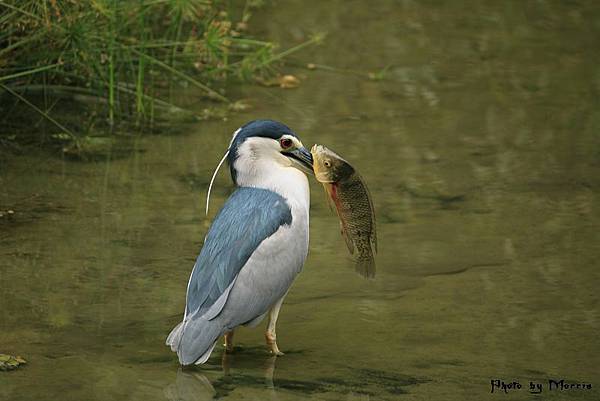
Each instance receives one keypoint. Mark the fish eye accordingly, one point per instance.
(327, 163)
(286, 143)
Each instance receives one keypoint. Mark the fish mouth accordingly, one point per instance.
(323, 178)
(317, 148)
(302, 158)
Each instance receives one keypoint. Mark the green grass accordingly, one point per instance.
(130, 55)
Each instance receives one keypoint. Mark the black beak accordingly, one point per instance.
(302, 156)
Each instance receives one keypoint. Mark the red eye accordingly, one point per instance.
(286, 143)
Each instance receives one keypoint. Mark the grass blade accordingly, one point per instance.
(28, 72)
(181, 75)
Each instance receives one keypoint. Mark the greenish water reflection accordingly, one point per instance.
(481, 150)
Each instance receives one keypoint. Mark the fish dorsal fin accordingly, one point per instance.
(374, 229)
(373, 238)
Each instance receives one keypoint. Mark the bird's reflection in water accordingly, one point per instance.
(191, 384)
(251, 373)
(228, 361)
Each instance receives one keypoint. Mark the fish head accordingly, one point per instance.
(328, 166)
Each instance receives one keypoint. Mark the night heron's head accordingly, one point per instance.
(262, 147)
(267, 154)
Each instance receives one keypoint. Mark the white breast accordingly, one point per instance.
(273, 266)
(258, 166)
(290, 242)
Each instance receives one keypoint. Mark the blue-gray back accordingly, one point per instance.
(249, 216)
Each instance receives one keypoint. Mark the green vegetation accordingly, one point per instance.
(74, 65)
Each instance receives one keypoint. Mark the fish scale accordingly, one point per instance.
(353, 205)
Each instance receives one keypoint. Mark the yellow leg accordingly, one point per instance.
(228, 342)
(270, 334)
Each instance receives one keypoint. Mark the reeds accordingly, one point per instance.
(128, 54)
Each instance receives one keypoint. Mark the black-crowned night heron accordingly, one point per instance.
(255, 247)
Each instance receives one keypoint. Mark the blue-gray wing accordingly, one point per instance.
(249, 216)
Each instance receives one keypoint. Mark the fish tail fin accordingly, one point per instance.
(365, 265)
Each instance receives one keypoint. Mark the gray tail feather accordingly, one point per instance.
(194, 340)
(174, 338)
(365, 266)
(203, 358)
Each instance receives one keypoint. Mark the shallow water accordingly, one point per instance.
(482, 153)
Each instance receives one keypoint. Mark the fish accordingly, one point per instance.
(352, 201)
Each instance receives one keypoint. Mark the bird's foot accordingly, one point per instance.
(276, 352)
(272, 344)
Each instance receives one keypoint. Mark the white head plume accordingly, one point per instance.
(217, 169)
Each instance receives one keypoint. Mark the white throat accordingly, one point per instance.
(258, 168)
